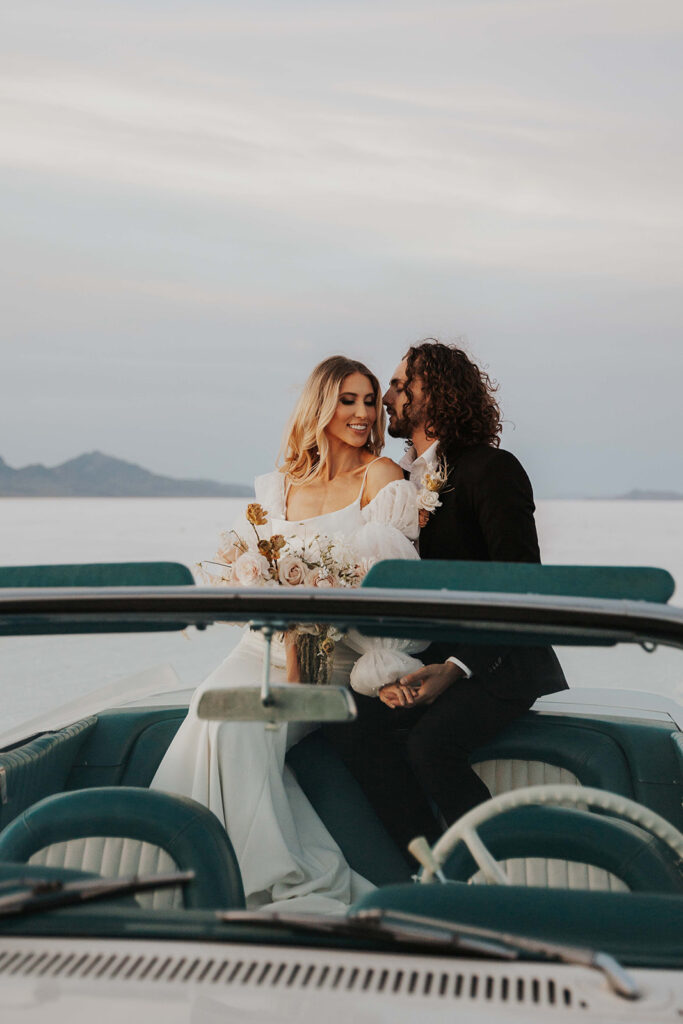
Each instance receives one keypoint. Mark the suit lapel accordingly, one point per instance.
(443, 521)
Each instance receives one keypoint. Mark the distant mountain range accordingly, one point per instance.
(651, 496)
(96, 475)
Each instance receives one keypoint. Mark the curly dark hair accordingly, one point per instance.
(460, 405)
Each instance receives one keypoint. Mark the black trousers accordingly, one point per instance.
(409, 759)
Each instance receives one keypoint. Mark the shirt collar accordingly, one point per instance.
(418, 465)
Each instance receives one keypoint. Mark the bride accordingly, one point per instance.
(333, 482)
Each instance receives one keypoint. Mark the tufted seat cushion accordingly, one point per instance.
(504, 774)
(529, 754)
(126, 830)
(113, 857)
(562, 847)
(545, 748)
(39, 767)
(554, 873)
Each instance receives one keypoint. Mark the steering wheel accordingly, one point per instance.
(465, 829)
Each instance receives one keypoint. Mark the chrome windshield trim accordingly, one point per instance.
(634, 621)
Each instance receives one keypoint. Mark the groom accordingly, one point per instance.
(415, 740)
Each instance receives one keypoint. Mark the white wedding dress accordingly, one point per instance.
(286, 855)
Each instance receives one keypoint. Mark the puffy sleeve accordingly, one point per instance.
(390, 526)
(395, 505)
(270, 493)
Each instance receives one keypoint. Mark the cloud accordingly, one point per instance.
(193, 185)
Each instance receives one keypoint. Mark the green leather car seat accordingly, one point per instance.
(97, 574)
(39, 767)
(546, 749)
(129, 743)
(122, 830)
(566, 848)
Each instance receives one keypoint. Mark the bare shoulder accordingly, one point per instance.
(380, 473)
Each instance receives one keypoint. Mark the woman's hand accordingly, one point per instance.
(394, 696)
(421, 687)
(429, 682)
(292, 659)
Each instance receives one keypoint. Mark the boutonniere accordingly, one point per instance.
(428, 495)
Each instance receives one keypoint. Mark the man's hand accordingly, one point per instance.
(428, 683)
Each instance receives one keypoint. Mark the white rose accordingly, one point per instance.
(428, 500)
(291, 571)
(339, 549)
(312, 550)
(294, 546)
(213, 575)
(250, 569)
(229, 553)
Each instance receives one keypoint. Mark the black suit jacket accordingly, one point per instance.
(487, 515)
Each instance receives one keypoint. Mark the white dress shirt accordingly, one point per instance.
(416, 466)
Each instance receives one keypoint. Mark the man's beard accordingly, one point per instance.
(402, 426)
(399, 426)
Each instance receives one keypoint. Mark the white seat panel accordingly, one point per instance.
(503, 774)
(112, 857)
(549, 873)
(506, 774)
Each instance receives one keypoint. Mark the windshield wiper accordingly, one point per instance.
(402, 927)
(43, 894)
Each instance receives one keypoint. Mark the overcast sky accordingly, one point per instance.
(203, 199)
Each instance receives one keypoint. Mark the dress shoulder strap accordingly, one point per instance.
(286, 485)
(365, 477)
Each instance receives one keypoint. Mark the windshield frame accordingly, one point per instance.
(37, 610)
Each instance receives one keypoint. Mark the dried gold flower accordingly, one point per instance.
(277, 541)
(265, 548)
(327, 646)
(255, 514)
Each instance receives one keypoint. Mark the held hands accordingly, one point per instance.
(420, 687)
(394, 697)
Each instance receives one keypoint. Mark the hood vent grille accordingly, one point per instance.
(507, 987)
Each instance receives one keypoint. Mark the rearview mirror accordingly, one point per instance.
(294, 703)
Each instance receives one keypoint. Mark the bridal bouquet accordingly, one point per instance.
(276, 560)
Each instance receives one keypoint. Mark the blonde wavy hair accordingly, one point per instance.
(305, 447)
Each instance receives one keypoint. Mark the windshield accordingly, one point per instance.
(40, 673)
(44, 672)
(598, 708)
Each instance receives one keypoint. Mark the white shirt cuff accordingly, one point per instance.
(462, 665)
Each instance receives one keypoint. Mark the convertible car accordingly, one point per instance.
(560, 898)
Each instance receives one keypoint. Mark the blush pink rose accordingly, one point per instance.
(318, 578)
(250, 569)
(291, 571)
